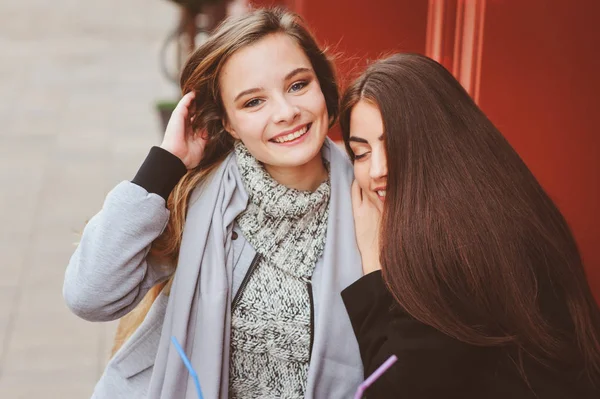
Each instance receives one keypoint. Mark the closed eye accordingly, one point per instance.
(358, 157)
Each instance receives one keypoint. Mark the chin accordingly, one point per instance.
(294, 160)
(301, 154)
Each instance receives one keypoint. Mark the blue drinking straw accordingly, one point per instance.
(373, 377)
(188, 365)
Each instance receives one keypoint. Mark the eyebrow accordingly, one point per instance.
(295, 72)
(257, 89)
(246, 92)
(361, 140)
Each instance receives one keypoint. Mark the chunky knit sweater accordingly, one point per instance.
(271, 335)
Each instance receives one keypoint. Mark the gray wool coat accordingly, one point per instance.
(110, 272)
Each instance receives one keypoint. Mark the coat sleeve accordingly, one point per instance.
(430, 364)
(110, 271)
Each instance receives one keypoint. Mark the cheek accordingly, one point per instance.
(248, 125)
(361, 174)
(314, 101)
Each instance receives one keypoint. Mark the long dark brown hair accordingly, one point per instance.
(201, 74)
(471, 243)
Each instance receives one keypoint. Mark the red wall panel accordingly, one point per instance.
(356, 31)
(540, 85)
(359, 30)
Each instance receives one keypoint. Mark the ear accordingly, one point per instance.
(229, 129)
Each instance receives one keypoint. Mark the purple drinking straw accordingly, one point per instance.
(373, 377)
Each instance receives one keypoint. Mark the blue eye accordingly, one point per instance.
(253, 103)
(298, 86)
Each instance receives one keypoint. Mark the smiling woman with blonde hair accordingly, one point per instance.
(237, 232)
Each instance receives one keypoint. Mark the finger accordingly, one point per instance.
(372, 208)
(184, 108)
(189, 96)
(200, 135)
(186, 100)
(203, 134)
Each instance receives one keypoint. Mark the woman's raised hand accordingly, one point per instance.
(367, 221)
(180, 139)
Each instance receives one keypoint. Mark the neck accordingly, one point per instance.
(307, 177)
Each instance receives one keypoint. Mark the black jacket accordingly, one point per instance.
(433, 365)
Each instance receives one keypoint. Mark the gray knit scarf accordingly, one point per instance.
(271, 319)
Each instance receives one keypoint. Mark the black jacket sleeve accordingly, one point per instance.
(160, 172)
(430, 364)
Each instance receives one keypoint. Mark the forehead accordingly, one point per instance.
(365, 121)
(262, 64)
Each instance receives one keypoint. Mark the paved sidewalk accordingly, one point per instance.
(77, 85)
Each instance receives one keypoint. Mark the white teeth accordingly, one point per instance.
(292, 136)
(381, 193)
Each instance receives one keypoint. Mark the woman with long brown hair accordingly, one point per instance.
(473, 278)
(245, 263)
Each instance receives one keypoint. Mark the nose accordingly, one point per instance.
(285, 111)
(378, 164)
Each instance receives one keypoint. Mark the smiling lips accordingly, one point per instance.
(286, 138)
(381, 192)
